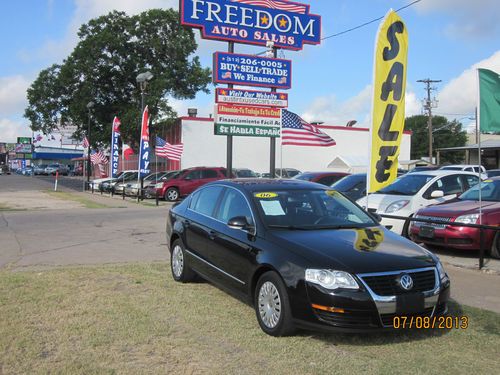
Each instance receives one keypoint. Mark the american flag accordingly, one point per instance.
(276, 4)
(98, 157)
(297, 132)
(164, 149)
(85, 143)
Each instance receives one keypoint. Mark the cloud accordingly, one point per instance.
(459, 96)
(470, 19)
(333, 112)
(10, 130)
(13, 94)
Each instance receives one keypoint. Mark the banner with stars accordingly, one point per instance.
(251, 97)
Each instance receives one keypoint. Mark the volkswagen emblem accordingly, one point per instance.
(406, 281)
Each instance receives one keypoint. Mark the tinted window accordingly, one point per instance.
(494, 173)
(193, 175)
(209, 173)
(206, 200)
(408, 184)
(490, 191)
(448, 185)
(328, 180)
(305, 176)
(451, 168)
(292, 173)
(349, 182)
(233, 204)
(471, 180)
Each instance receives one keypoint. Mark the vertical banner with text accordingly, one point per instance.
(144, 149)
(115, 153)
(388, 116)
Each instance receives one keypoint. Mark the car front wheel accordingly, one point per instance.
(180, 269)
(272, 305)
(172, 194)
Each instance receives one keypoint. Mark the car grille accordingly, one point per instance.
(347, 319)
(387, 285)
(440, 219)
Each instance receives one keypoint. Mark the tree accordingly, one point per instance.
(445, 134)
(111, 52)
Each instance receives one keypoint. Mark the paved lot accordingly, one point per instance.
(129, 232)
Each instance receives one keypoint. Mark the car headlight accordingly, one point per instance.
(159, 185)
(467, 219)
(331, 279)
(440, 268)
(396, 206)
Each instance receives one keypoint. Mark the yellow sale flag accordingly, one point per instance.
(388, 116)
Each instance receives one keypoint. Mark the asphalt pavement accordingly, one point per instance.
(127, 231)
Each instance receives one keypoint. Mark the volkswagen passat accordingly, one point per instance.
(304, 255)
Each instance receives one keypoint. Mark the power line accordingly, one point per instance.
(369, 22)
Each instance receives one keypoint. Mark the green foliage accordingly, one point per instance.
(113, 49)
(445, 134)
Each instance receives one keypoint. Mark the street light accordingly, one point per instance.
(90, 105)
(142, 79)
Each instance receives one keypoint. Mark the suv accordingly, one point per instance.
(187, 181)
(465, 167)
(53, 168)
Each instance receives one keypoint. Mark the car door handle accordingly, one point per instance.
(187, 223)
(212, 234)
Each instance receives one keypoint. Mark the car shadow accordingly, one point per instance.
(391, 336)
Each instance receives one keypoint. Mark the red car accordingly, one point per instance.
(465, 209)
(185, 182)
(324, 178)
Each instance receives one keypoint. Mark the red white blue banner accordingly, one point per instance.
(144, 145)
(251, 97)
(287, 24)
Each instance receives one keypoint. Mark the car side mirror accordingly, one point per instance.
(377, 217)
(437, 194)
(241, 223)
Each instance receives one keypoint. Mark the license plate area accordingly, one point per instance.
(410, 303)
(426, 231)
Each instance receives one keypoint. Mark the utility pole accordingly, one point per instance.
(428, 105)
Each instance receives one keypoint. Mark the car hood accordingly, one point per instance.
(380, 202)
(459, 207)
(362, 250)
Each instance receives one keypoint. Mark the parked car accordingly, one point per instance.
(96, 183)
(286, 172)
(413, 191)
(303, 255)
(187, 181)
(51, 169)
(132, 187)
(244, 173)
(4, 169)
(352, 186)
(493, 173)
(465, 209)
(117, 185)
(324, 178)
(424, 168)
(40, 169)
(465, 167)
(78, 170)
(151, 189)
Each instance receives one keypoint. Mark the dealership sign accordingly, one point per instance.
(254, 121)
(249, 70)
(250, 97)
(287, 24)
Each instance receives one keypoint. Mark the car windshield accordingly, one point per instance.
(310, 210)
(490, 191)
(408, 184)
(245, 173)
(305, 176)
(153, 176)
(348, 182)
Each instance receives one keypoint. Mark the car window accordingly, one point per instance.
(490, 191)
(209, 173)
(233, 204)
(409, 184)
(193, 175)
(448, 185)
(328, 180)
(207, 199)
(471, 180)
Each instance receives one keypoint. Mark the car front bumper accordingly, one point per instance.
(455, 237)
(364, 311)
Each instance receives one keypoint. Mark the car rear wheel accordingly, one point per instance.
(172, 194)
(180, 269)
(272, 305)
(495, 247)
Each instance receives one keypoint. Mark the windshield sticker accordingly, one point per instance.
(265, 195)
(272, 208)
(488, 181)
(368, 239)
(332, 193)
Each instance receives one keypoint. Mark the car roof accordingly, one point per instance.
(326, 172)
(263, 184)
(441, 172)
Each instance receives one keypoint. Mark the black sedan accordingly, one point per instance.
(304, 255)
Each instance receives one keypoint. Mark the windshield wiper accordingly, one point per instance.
(290, 227)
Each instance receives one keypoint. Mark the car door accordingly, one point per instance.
(451, 186)
(199, 224)
(232, 251)
(190, 182)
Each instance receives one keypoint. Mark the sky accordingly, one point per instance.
(331, 82)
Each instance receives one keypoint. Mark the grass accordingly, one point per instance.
(87, 203)
(5, 207)
(133, 319)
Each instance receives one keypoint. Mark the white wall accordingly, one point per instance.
(203, 148)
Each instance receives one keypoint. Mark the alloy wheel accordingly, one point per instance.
(269, 304)
(177, 261)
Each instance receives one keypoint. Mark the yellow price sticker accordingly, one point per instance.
(265, 195)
